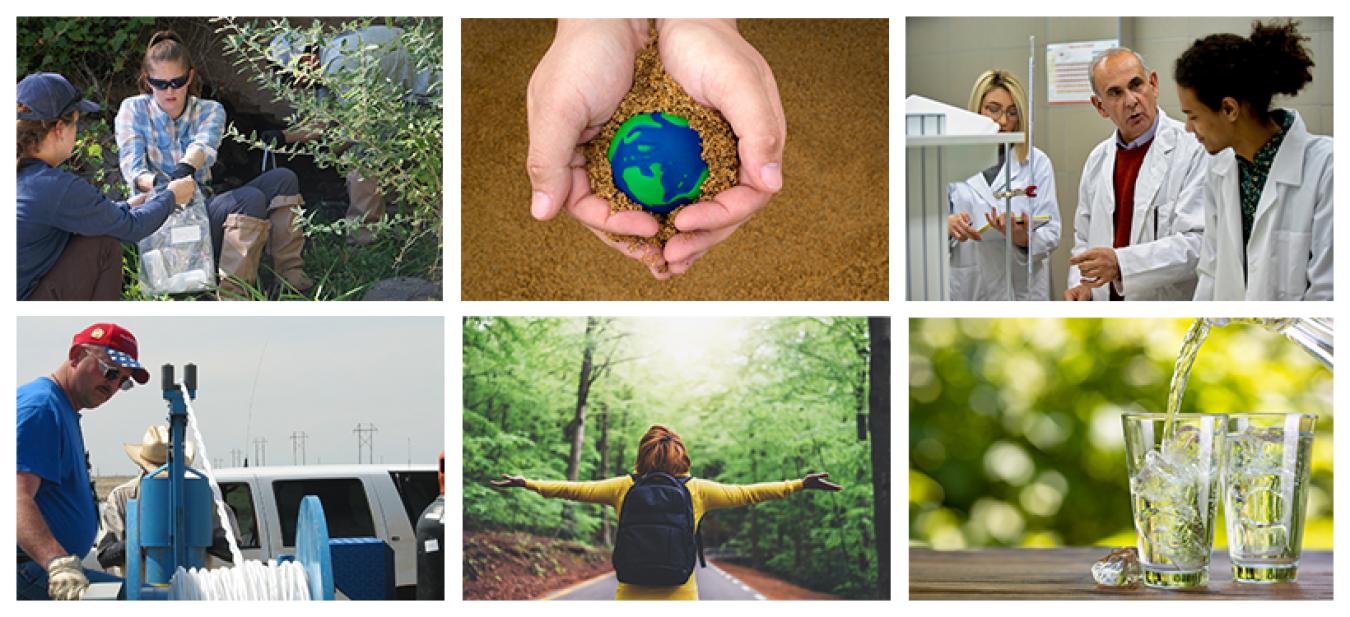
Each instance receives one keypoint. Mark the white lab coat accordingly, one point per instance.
(1168, 219)
(1289, 256)
(978, 268)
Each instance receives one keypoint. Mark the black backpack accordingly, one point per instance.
(658, 536)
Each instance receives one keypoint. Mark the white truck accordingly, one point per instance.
(359, 501)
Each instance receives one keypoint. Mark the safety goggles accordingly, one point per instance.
(111, 372)
(175, 83)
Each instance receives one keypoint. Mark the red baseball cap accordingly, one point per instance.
(120, 345)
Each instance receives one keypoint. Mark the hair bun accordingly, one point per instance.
(1278, 48)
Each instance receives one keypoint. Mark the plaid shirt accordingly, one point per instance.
(149, 141)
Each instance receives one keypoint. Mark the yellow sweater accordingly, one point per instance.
(706, 496)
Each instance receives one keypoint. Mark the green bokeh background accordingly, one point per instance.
(1014, 424)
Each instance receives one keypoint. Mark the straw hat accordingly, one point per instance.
(153, 450)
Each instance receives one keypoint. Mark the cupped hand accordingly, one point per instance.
(509, 482)
(816, 481)
(574, 91)
(715, 66)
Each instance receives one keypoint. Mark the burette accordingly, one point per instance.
(1031, 151)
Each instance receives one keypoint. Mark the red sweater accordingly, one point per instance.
(1128, 164)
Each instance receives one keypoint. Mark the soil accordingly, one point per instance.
(825, 236)
(654, 91)
(517, 566)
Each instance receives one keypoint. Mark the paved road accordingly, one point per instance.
(713, 584)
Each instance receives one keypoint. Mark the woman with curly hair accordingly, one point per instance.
(661, 456)
(1268, 194)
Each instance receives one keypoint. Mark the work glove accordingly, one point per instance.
(66, 579)
(182, 170)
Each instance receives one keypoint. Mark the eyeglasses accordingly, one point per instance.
(112, 372)
(997, 112)
(175, 83)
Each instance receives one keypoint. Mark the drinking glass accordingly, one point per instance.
(1174, 492)
(1266, 493)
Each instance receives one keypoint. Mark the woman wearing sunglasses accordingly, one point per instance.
(977, 223)
(69, 234)
(168, 132)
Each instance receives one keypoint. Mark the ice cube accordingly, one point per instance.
(1119, 569)
(1176, 533)
(1262, 540)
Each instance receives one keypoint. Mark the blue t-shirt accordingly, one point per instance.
(54, 203)
(50, 446)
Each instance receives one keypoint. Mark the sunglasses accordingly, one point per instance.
(175, 83)
(112, 372)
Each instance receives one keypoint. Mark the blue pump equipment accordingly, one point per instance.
(170, 525)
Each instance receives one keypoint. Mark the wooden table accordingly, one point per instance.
(1066, 574)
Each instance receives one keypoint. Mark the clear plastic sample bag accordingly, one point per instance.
(177, 258)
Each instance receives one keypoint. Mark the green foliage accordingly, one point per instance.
(1014, 425)
(91, 52)
(754, 400)
(397, 141)
(94, 157)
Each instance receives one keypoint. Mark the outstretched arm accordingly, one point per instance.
(817, 482)
(606, 492)
(510, 482)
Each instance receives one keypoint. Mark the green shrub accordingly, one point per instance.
(397, 142)
(91, 52)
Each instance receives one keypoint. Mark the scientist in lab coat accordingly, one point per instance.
(1268, 195)
(1138, 225)
(977, 222)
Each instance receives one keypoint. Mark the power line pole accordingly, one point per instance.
(365, 439)
(260, 451)
(298, 446)
(236, 457)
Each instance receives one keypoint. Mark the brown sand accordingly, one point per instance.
(823, 237)
(654, 90)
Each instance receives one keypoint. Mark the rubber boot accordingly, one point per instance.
(242, 248)
(287, 242)
(367, 206)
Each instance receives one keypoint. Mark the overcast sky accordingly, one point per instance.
(269, 378)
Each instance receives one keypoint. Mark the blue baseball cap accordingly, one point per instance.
(50, 96)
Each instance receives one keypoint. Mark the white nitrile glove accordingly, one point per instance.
(66, 579)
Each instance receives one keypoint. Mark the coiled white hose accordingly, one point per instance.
(246, 580)
(251, 580)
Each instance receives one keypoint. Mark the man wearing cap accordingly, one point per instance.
(56, 511)
(67, 231)
(151, 454)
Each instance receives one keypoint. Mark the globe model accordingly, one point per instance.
(657, 161)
